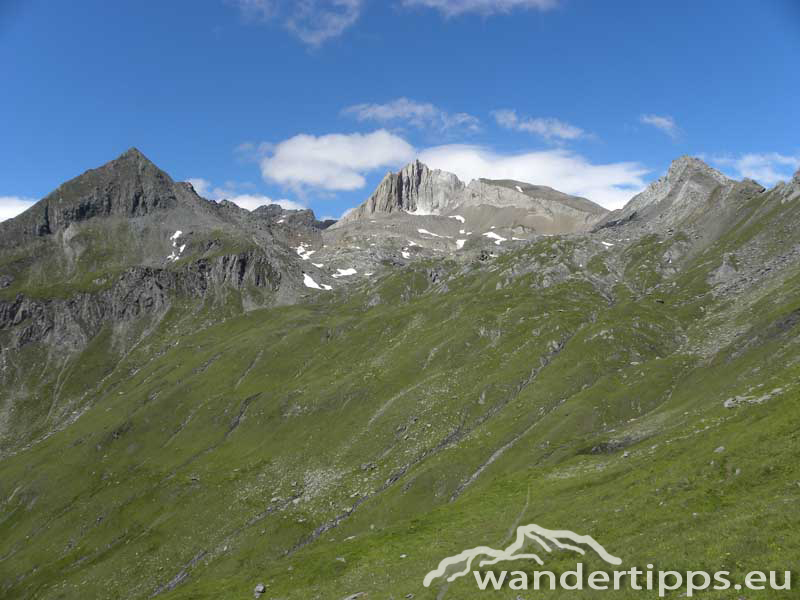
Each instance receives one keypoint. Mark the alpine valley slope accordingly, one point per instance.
(183, 416)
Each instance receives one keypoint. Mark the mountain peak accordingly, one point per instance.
(130, 185)
(133, 157)
(686, 188)
(132, 152)
(415, 188)
(686, 166)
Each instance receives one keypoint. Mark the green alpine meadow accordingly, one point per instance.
(399, 300)
(184, 415)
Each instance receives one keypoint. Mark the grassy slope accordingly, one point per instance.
(228, 453)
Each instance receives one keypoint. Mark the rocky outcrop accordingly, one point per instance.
(689, 185)
(69, 323)
(789, 190)
(568, 214)
(418, 190)
(415, 189)
(276, 214)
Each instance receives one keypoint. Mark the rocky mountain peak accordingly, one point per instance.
(415, 188)
(687, 166)
(130, 185)
(132, 153)
(686, 187)
(418, 190)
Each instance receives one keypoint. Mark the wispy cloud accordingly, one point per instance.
(314, 22)
(665, 123)
(610, 185)
(547, 127)
(768, 168)
(257, 9)
(416, 114)
(245, 200)
(333, 162)
(452, 8)
(11, 206)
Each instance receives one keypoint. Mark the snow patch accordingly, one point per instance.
(318, 265)
(310, 283)
(281, 220)
(607, 244)
(420, 212)
(519, 189)
(426, 232)
(497, 238)
(410, 243)
(460, 244)
(176, 251)
(303, 251)
(458, 218)
(405, 254)
(344, 273)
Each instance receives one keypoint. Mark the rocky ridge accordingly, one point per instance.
(159, 437)
(420, 191)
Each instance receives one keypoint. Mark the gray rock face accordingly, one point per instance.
(418, 190)
(69, 323)
(688, 185)
(278, 215)
(415, 189)
(790, 191)
(129, 186)
(557, 212)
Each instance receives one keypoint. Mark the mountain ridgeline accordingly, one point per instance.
(197, 400)
(418, 190)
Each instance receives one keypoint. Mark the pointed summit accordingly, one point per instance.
(687, 189)
(132, 153)
(688, 166)
(132, 159)
(130, 185)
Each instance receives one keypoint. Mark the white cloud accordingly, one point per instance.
(334, 161)
(253, 201)
(418, 114)
(247, 201)
(312, 21)
(663, 122)
(11, 206)
(317, 21)
(339, 162)
(452, 8)
(610, 185)
(767, 168)
(547, 127)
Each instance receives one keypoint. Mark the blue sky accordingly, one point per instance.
(311, 102)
